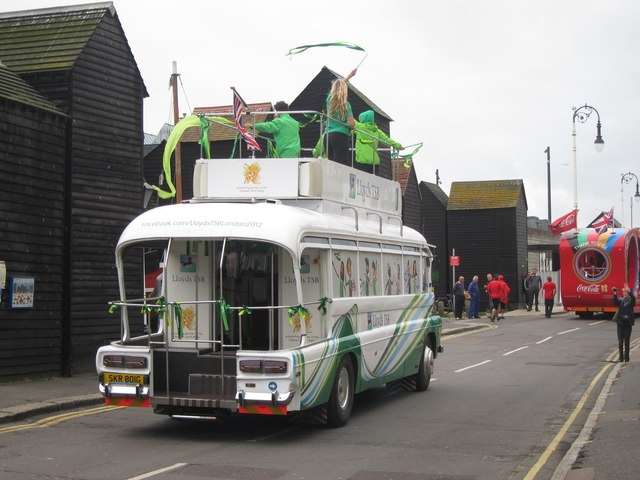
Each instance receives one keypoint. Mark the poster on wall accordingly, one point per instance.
(21, 292)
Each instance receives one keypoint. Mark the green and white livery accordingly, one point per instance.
(284, 285)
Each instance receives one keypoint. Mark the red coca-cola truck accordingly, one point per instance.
(593, 263)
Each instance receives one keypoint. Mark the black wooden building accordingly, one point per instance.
(434, 227)
(487, 228)
(71, 166)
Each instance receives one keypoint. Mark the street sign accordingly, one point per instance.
(454, 261)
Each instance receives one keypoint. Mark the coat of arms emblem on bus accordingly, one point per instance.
(252, 173)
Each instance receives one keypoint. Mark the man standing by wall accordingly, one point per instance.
(458, 297)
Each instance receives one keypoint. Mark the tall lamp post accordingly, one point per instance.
(548, 152)
(626, 179)
(582, 114)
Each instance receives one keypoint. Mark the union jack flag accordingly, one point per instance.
(238, 104)
(603, 222)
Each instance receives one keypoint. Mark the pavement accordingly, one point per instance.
(601, 451)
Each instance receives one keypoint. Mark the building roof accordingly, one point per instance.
(484, 195)
(13, 87)
(437, 192)
(49, 38)
(52, 39)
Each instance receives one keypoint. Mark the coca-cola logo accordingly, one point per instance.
(588, 288)
(568, 221)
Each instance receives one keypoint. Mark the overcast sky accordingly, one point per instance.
(486, 85)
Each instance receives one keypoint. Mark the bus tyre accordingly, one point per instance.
(342, 395)
(425, 369)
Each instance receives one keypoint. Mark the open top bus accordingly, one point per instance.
(284, 285)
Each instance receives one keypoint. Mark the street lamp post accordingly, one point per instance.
(582, 114)
(626, 179)
(548, 152)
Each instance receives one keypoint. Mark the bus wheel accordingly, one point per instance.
(342, 393)
(425, 370)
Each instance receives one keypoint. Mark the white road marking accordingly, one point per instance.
(514, 351)
(471, 366)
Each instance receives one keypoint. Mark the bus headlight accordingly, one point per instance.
(124, 361)
(278, 367)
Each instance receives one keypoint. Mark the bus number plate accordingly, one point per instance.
(123, 378)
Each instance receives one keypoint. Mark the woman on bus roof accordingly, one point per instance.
(340, 121)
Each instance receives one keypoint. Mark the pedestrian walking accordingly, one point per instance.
(549, 289)
(625, 319)
(504, 297)
(494, 289)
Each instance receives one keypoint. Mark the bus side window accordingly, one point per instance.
(345, 275)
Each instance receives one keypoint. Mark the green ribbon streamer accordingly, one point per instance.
(145, 309)
(299, 309)
(418, 146)
(172, 142)
(304, 48)
(204, 136)
(323, 305)
(113, 308)
(177, 310)
(235, 144)
(408, 156)
(161, 305)
(244, 310)
(224, 310)
(312, 119)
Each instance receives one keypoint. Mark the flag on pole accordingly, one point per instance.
(602, 222)
(564, 223)
(238, 104)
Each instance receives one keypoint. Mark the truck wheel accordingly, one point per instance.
(425, 370)
(342, 394)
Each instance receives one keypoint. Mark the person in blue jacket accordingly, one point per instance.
(474, 301)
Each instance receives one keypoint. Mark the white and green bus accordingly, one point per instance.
(287, 285)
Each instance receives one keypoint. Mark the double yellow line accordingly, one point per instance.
(551, 448)
(50, 421)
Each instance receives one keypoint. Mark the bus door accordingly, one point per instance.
(248, 283)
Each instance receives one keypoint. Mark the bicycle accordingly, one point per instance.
(447, 302)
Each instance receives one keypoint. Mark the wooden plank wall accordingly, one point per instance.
(489, 241)
(434, 228)
(32, 169)
(106, 187)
